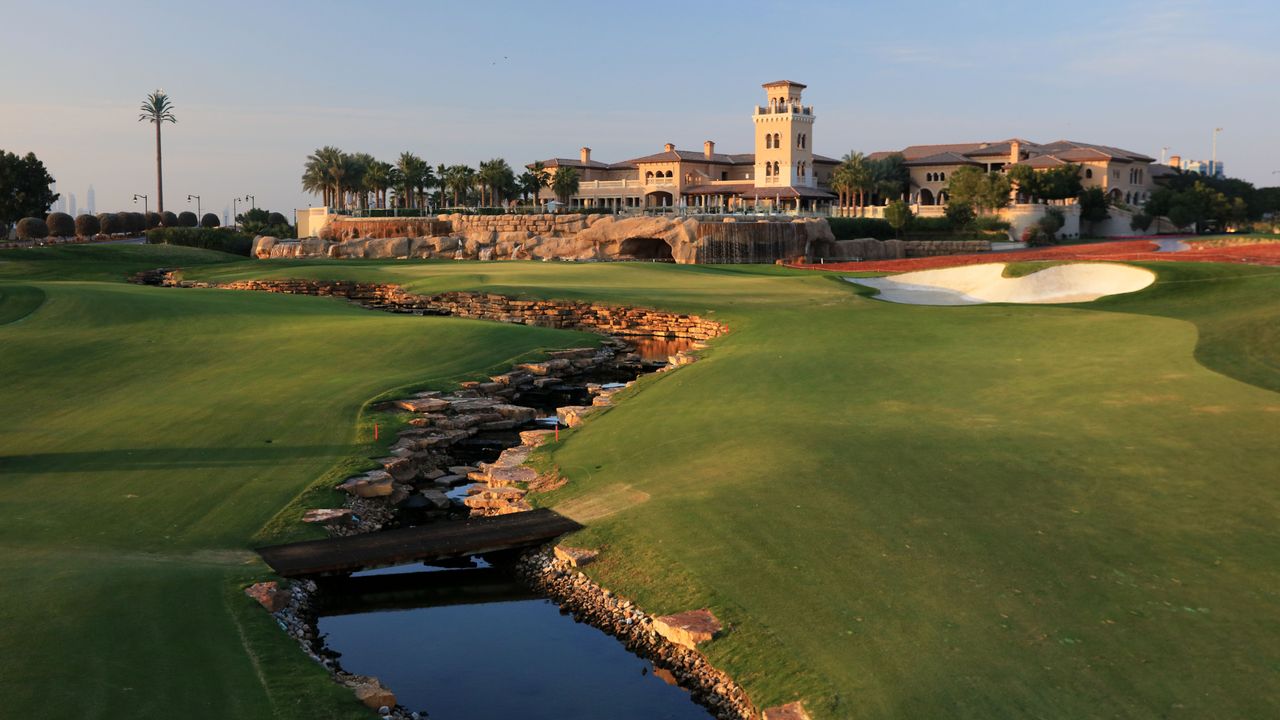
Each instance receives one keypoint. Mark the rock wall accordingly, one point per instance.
(554, 237)
(571, 315)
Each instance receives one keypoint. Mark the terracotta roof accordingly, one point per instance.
(571, 162)
(943, 158)
(786, 191)
(692, 156)
(1060, 147)
(1042, 162)
(776, 83)
(734, 189)
(825, 160)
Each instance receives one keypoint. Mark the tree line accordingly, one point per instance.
(360, 181)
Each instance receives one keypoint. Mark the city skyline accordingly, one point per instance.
(245, 127)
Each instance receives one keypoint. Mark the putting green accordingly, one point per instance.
(899, 511)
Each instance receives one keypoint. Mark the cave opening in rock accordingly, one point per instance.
(645, 249)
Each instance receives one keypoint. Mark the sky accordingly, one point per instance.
(258, 86)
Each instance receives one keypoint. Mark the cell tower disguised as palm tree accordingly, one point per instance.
(157, 109)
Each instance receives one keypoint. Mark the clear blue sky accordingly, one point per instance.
(257, 86)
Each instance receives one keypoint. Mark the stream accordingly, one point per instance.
(470, 641)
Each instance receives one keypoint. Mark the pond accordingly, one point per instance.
(477, 644)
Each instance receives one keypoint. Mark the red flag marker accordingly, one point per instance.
(557, 430)
(375, 431)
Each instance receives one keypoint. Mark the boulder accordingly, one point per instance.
(374, 695)
(423, 404)
(575, 556)
(573, 415)
(269, 595)
(688, 628)
(327, 516)
(534, 438)
(387, 247)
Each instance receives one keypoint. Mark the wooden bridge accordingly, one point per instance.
(424, 543)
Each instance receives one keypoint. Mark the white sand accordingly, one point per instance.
(978, 284)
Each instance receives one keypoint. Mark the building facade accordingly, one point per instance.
(782, 173)
(1124, 175)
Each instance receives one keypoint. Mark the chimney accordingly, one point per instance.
(669, 147)
(709, 148)
(1175, 161)
(1015, 152)
(586, 155)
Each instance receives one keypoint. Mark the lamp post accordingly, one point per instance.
(197, 197)
(235, 214)
(144, 201)
(252, 200)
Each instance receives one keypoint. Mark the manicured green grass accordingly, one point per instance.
(149, 436)
(993, 511)
(977, 512)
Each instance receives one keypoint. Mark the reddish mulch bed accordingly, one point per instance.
(1126, 250)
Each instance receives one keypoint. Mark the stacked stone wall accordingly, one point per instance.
(591, 317)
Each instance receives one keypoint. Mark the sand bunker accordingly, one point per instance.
(977, 284)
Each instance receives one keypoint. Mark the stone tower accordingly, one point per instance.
(784, 138)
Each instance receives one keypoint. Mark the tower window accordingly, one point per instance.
(768, 142)
(768, 170)
(777, 140)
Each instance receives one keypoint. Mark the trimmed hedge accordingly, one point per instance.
(854, 228)
(224, 239)
(168, 219)
(87, 226)
(137, 222)
(153, 219)
(188, 219)
(109, 224)
(31, 228)
(60, 224)
(210, 221)
(276, 218)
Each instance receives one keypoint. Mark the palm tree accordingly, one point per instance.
(859, 176)
(358, 165)
(565, 183)
(532, 182)
(377, 178)
(426, 179)
(157, 109)
(442, 173)
(459, 178)
(412, 169)
(314, 179)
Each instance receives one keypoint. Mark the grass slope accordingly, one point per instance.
(978, 512)
(149, 436)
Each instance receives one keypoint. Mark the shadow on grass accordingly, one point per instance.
(169, 458)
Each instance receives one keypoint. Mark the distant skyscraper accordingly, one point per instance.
(226, 214)
(89, 201)
(71, 204)
(58, 204)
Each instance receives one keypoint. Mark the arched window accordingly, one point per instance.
(928, 177)
(777, 168)
(669, 174)
(1088, 172)
(648, 176)
(942, 177)
(768, 169)
(804, 140)
(768, 142)
(777, 140)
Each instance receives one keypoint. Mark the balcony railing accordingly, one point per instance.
(786, 109)
(660, 182)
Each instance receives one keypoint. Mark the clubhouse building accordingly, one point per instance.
(783, 173)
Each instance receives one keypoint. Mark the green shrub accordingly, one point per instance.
(153, 219)
(137, 222)
(60, 224)
(223, 239)
(1141, 221)
(1052, 222)
(210, 221)
(188, 219)
(87, 226)
(1034, 235)
(108, 224)
(123, 223)
(30, 228)
(960, 214)
(854, 228)
(168, 219)
(932, 224)
(992, 223)
(276, 218)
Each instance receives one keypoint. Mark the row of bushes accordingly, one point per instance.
(223, 239)
(923, 227)
(60, 224)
